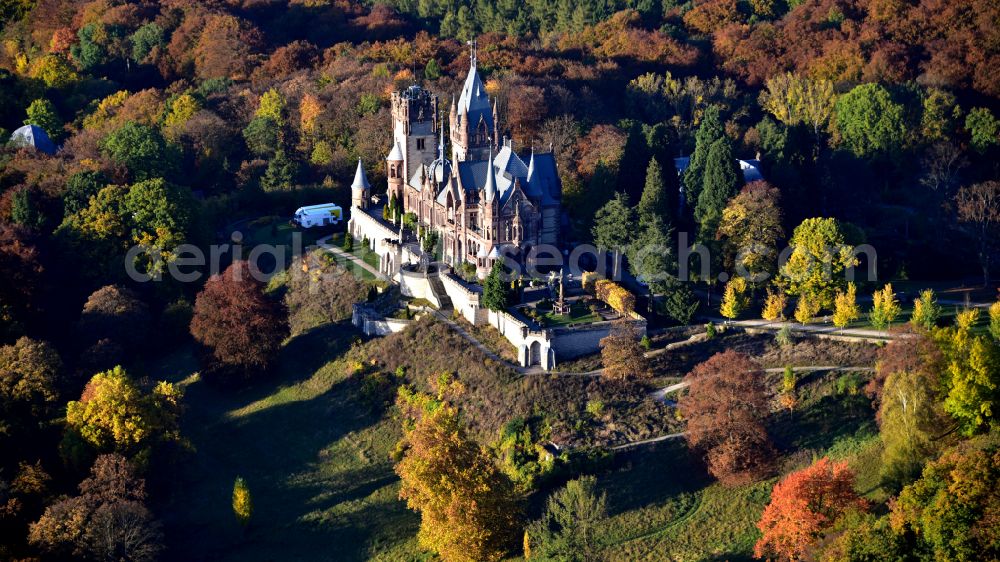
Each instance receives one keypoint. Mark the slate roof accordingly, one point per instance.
(750, 168)
(474, 102)
(508, 166)
(360, 179)
(33, 136)
(395, 154)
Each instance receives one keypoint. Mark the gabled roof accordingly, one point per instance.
(417, 179)
(509, 164)
(360, 180)
(442, 196)
(33, 136)
(543, 183)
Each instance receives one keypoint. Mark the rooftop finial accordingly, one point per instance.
(473, 48)
(441, 143)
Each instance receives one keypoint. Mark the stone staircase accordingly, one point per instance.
(442, 296)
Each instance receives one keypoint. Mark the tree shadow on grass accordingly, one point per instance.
(652, 475)
(299, 456)
(821, 424)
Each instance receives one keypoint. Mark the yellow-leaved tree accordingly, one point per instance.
(309, 112)
(925, 310)
(820, 254)
(272, 106)
(182, 109)
(973, 364)
(468, 507)
(995, 320)
(885, 308)
(242, 502)
(734, 299)
(774, 306)
(806, 308)
(114, 415)
(845, 307)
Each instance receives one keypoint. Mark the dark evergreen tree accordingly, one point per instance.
(496, 290)
(680, 303)
(722, 180)
(709, 131)
(653, 202)
(280, 173)
(614, 227)
(651, 257)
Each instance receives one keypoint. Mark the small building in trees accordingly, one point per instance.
(33, 136)
(750, 168)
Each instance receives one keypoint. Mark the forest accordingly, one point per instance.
(161, 124)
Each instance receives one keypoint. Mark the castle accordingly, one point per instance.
(482, 200)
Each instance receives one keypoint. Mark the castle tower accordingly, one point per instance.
(473, 121)
(415, 125)
(394, 172)
(361, 190)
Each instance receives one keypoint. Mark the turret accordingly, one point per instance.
(360, 188)
(394, 173)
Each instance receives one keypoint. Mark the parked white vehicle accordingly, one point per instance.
(318, 215)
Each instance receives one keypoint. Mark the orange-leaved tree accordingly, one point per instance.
(468, 508)
(803, 506)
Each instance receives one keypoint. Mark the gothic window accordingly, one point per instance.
(420, 144)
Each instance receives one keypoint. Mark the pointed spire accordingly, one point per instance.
(491, 178)
(441, 144)
(360, 180)
(395, 155)
(531, 166)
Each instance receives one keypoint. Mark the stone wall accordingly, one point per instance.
(371, 323)
(465, 300)
(534, 348)
(362, 225)
(414, 284)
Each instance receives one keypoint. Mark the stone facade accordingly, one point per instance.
(483, 199)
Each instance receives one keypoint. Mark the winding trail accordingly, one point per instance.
(662, 393)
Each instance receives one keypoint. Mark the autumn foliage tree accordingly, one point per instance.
(114, 414)
(108, 520)
(951, 511)
(240, 326)
(725, 408)
(621, 353)
(803, 505)
(468, 510)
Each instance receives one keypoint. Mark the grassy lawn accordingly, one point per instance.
(579, 313)
(359, 250)
(278, 233)
(315, 457)
(662, 505)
